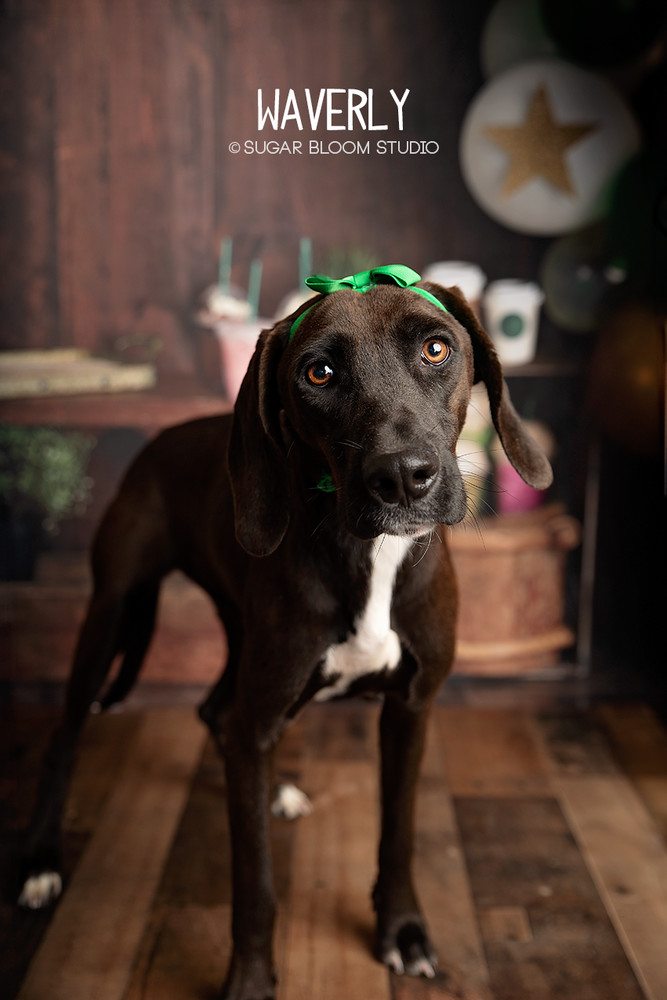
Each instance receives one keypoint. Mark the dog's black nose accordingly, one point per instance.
(402, 476)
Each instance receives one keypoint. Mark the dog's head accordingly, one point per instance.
(365, 397)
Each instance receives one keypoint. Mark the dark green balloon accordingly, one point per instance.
(603, 33)
(638, 222)
(579, 275)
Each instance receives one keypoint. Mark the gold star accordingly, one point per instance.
(537, 146)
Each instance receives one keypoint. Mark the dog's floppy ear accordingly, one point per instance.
(255, 458)
(525, 455)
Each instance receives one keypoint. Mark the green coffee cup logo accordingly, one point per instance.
(512, 325)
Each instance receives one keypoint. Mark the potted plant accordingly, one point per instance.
(42, 480)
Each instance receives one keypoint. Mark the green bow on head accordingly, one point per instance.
(397, 274)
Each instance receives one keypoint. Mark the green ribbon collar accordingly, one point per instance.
(387, 274)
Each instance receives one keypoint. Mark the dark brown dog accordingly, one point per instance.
(326, 586)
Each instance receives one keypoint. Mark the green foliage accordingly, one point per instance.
(45, 470)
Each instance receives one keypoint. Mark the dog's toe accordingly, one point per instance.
(290, 802)
(422, 966)
(394, 961)
(40, 890)
(411, 953)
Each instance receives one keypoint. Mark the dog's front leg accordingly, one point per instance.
(402, 939)
(248, 768)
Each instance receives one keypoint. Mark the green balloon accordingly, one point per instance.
(603, 33)
(638, 222)
(513, 33)
(578, 275)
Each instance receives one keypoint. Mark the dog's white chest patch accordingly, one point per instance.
(374, 645)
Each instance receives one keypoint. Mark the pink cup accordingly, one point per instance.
(237, 339)
(514, 495)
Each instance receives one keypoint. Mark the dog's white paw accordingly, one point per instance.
(420, 965)
(289, 802)
(40, 890)
(408, 952)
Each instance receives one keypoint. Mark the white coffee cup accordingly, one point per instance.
(469, 277)
(512, 312)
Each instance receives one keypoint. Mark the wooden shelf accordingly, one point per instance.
(544, 369)
(170, 402)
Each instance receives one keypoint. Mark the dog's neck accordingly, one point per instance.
(343, 562)
(372, 646)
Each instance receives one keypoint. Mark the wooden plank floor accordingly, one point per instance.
(541, 858)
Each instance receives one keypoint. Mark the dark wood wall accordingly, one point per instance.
(108, 160)
(116, 183)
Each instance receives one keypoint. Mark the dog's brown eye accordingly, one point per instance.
(320, 373)
(435, 351)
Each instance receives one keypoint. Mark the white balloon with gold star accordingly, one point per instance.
(541, 145)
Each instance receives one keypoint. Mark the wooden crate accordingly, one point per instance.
(511, 593)
(511, 577)
(40, 621)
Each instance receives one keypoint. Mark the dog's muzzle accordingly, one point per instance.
(402, 477)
